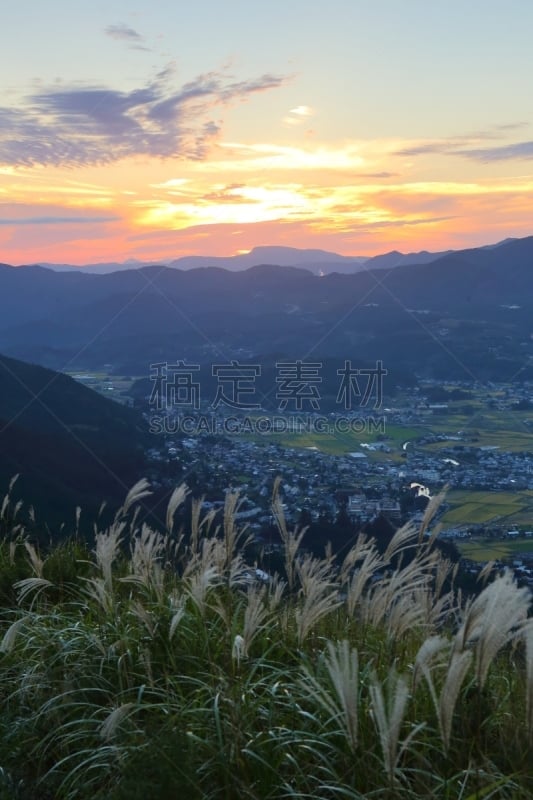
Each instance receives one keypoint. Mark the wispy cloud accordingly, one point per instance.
(517, 150)
(298, 115)
(56, 220)
(123, 33)
(471, 146)
(83, 125)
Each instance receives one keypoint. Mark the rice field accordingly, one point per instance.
(471, 507)
(494, 550)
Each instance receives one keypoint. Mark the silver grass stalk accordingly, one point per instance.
(135, 495)
(36, 561)
(201, 560)
(486, 571)
(98, 590)
(239, 649)
(439, 609)
(355, 554)
(145, 616)
(319, 596)
(147, 551)
(198, 586)
(343, 668)
(389, 590)
(406, 614)
(5, 506)
(256, 614)
(113, 721)
(444, 568)
(7, 499)
(196, 510)
(425, 660)
(495, 617)
(13, 544)
(177, 497)
(276, 591)
(342, 704)
(176, 619)
(291, 540)
(403, 538)
(528, 636)
(371, 563)
(231, 505)
(224, 611)
(237, 571)
(311, 570)
(31, 586)
(430, 511)
(10, 636)
(457, 671)
(388, 715)
(107, 549)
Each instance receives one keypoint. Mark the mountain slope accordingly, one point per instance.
(70, 445)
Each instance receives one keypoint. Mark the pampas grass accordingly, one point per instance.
(166, 667)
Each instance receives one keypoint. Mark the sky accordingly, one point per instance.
(154, 130)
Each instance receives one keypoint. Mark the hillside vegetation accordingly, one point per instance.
(160, 664)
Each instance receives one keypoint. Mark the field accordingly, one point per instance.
(113, 386)
(492, 550)
(340, 443)
(509, 508)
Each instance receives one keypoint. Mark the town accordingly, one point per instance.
(475, 440)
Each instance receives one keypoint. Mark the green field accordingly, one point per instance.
(509, 508)
(491, 550)
(511, 431)
(338, 443)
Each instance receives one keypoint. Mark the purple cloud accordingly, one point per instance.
(518, 150)
(56, 220)
(123, 32)
(83, 125)
(463, 146)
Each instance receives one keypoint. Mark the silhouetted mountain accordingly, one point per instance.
(317, 261)
(466, 313)
(70, 445)
(397, 259)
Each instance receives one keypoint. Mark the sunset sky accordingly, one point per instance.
(154, 130)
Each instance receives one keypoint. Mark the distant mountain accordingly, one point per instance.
(397, 259)
(101, 268)
(465, 313)
(70, 445)
(317, 261)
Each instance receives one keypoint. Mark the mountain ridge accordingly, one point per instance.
(316, 260)
(133, 318)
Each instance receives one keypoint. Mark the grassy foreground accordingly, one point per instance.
(158, 665)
